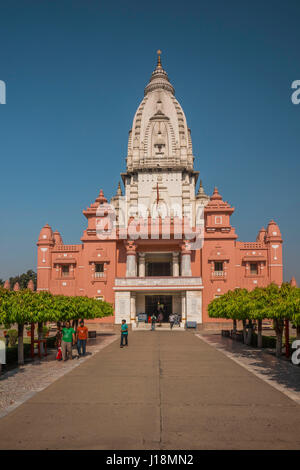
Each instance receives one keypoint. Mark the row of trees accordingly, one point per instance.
(273, 303)
(22, 280)
(26, 306)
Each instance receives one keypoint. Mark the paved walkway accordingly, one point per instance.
(165, 391)
(280, 373)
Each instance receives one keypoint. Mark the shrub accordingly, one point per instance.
(267, 341)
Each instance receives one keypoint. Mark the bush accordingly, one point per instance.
(12, 353)
(267, 341)
(51, 342)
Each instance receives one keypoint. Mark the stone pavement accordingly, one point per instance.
(20, 383)
(278, 372)
(165, 391)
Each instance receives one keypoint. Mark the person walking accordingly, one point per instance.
(82, 336)
(160, 318)
(153, 321)
(68, 338)
(124, 334)
(171, 320)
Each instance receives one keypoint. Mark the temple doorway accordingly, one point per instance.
(159, 304)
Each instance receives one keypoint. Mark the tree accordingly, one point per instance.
(258, 303)
(232, 305)
(26, 306)
(295, 309)
(23, 279)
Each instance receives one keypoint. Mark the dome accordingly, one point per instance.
(46, 235)
(57, 238)
(159, 136)
(273, 230)
(261, 235)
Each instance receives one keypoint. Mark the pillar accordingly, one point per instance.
(175, 264)
(186, 269)
(132, 307)
(183, 307)
(142, 265)
(130, 259)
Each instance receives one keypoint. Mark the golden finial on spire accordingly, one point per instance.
(158, 58)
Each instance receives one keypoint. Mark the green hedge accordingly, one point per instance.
(267, 341)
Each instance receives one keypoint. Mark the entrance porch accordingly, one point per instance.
(181, 296)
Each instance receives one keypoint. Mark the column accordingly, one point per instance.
(186, 269)
(175, 264)
(141, 264)
(130, 259)
(132, 307)
(183, 307)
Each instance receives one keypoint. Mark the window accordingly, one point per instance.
(218, 266)
(65, 270)
(100, 297)
(218, 219)
(99, 270)
(253, 268)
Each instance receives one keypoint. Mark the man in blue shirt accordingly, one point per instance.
(124, 334)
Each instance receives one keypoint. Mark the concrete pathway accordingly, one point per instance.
(165, 391)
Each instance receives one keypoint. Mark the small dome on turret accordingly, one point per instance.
(7, 285)
(216, 195)
(273, 230)
(201, 196)
(101, 199)
(261, 235)
(46, 233)
(57, 238)
(16, 287)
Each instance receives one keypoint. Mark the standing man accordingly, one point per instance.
(171, 320)
(82, 336)
(124, 334)
(68, 338)
(153, 321)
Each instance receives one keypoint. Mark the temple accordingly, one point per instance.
(161, 243)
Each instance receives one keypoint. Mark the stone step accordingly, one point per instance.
(164, 327)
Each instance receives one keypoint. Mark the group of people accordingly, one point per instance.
(174, 319)
(67, 337)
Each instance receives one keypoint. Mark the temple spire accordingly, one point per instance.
(159, 79)
(119, 190)
(159, 58)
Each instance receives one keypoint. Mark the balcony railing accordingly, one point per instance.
(97, 275)
(219, 273)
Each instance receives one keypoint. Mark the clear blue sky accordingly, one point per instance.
(75, 71)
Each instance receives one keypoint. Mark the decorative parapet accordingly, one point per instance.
(158, 281)
(250, 245)
(66, 248)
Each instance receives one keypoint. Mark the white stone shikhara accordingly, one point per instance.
(160, 176)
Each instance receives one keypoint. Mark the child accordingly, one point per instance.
(124, 333)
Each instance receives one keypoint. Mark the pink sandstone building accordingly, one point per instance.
(138, 252)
